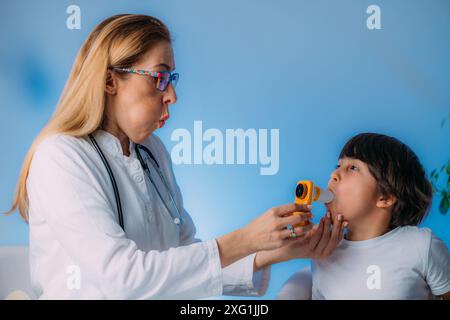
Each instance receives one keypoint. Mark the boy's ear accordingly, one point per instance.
(386, 201)
(111, 83)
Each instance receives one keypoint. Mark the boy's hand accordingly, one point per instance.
(318, 243)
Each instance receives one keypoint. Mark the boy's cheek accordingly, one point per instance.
(344, 203)
(347, 198)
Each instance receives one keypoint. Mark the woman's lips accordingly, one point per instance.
(163, 120)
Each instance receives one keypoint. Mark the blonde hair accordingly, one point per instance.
(118, 41)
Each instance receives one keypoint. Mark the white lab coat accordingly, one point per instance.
(78, 249)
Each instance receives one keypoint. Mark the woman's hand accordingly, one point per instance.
(268, 231)
(324, 238)
(318, 243)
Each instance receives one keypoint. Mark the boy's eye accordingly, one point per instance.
(338, 166)
(353, 168)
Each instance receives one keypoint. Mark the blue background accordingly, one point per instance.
(310, 68)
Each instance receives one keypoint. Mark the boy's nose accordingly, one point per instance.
(334, 177)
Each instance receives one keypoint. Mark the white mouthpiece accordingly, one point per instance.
(326, 196)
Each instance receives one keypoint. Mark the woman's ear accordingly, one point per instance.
(111, 83)
(386, 201)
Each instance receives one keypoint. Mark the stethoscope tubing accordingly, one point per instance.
(177, 220)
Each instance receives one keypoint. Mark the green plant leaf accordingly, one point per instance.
(444, 204)
(433, 173)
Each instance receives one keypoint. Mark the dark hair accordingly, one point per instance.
(398, 172)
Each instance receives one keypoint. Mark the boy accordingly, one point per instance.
(382, 191)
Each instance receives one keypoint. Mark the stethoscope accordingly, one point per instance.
(177, 219)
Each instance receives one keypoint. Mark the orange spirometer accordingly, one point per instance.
(306, 192)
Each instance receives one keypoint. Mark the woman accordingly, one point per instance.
(137, 242)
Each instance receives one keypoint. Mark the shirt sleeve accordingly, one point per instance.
(67, 194)
(438, 268)
(238, 278)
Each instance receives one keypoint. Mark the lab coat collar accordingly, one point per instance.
(111, 144)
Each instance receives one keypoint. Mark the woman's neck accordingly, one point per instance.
(119, 134)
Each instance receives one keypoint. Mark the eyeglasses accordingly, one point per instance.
(163, 78)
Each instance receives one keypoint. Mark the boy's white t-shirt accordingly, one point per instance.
(405, 263)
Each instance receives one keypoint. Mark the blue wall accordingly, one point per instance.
(311, 69)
